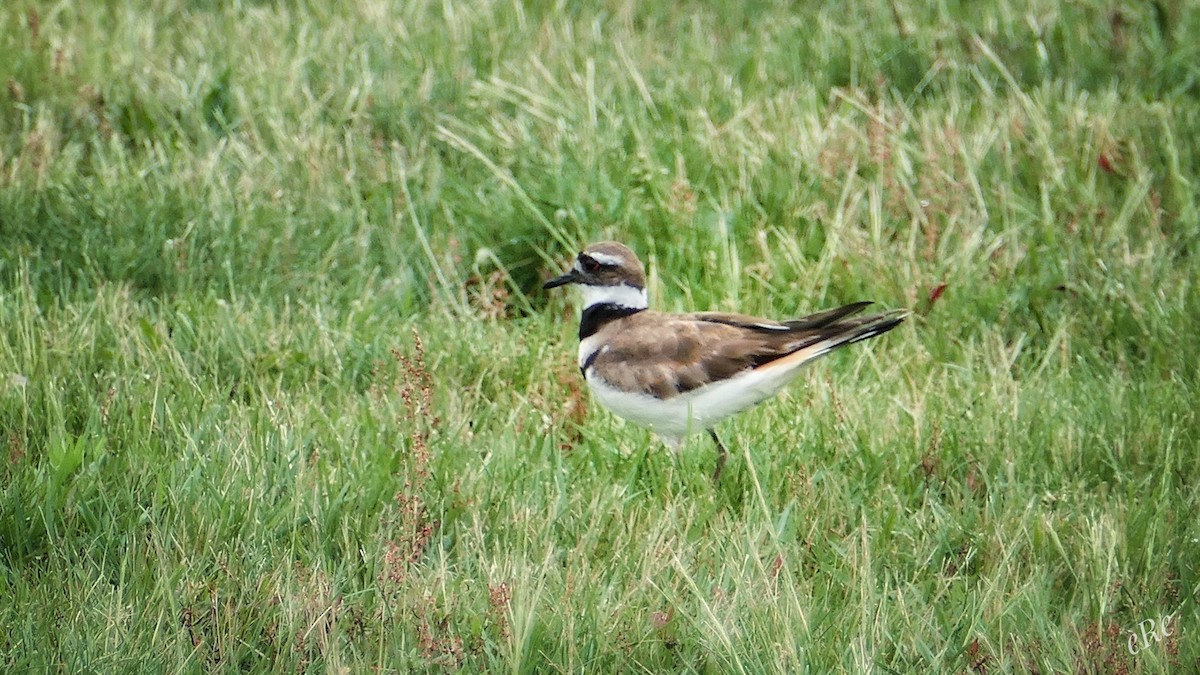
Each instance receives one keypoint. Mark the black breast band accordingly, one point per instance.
(596, 316)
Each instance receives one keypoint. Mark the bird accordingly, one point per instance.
(680, 374)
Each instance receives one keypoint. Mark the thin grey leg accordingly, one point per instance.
(722, 455)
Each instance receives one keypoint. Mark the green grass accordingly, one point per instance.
(279, 389)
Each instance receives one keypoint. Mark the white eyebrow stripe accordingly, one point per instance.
(605, 259)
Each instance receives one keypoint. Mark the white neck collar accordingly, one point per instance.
(623, 295)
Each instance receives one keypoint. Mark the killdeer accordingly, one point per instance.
(682, 373)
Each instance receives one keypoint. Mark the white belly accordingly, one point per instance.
(696, 410)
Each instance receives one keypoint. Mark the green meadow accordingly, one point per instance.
(280, 390)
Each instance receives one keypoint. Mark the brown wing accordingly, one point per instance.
(812, 321)
(665, 355)
(828, 317)
(739, 320)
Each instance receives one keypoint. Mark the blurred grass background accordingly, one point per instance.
(280, 391)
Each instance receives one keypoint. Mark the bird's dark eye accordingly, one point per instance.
(590, 264)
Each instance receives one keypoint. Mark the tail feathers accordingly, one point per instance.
(871, 326)
(840, 335)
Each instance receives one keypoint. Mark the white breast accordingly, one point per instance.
(588, 346)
